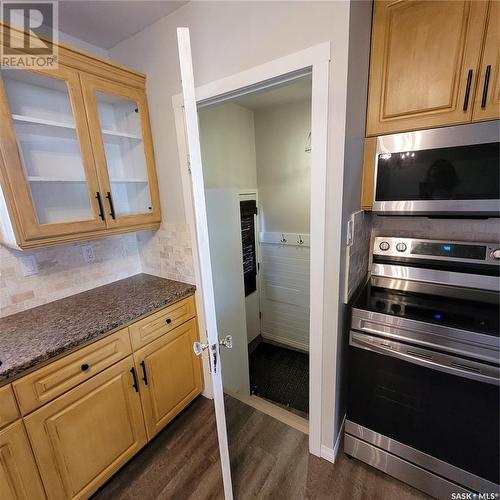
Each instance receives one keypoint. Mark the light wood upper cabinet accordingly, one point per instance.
(45, 143)
(487, 102)
(121, 138)
(425, 57)
(19, 479)
(84, 436)
(170, 375)
(76, 153)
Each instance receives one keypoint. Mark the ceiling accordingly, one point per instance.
(282, 94)
(106, 23)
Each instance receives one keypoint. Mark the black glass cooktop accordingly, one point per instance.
(470, 315)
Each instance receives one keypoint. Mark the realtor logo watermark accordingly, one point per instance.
(32, 41)
(474, 496)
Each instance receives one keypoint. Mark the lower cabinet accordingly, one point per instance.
(84, 436)
(97, 407)
(170, 375)
(19, 479)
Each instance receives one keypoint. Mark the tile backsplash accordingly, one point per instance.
(167, 252)
(357, 254)
(62, 270)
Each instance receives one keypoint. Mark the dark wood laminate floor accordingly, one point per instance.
(182, 462)
(270, 460)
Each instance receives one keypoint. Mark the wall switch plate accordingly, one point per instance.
(350, 228)
(88, 253)
(29, 265)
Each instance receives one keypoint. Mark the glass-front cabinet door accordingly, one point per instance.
(48, 153)
(121, 138)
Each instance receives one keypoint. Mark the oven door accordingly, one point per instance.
(452, 171)
(429, 404)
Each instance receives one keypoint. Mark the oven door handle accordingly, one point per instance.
(427, 358)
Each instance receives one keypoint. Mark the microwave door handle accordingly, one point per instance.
(426, 358)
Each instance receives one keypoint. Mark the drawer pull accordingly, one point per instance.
(144, 373)
(168, 321)
(84, 367)
(135, 385)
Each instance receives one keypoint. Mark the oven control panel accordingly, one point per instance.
(460, 251)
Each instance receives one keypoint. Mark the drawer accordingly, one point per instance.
(148, 329)
(49, 382)
(8, 406)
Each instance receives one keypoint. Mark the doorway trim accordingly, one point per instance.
(317, 59)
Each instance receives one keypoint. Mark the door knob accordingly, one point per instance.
(227, 341)
(198, 348)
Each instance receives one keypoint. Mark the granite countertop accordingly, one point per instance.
(32, 337)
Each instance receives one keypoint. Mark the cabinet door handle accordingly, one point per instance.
(99, 202)
(168, 321)
(111, 206)
(135, 385)
(485, 88)
(145, 375)
(467, 90)
(84, 367)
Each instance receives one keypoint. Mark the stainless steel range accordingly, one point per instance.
(424, 391)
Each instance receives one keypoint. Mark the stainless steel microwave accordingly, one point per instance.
(451, 171)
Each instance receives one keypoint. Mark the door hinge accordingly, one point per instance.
(258, 266)
(260, 314)
(188, 159)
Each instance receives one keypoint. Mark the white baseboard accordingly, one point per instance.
(296, 344)
(336, 448)
(327, 453)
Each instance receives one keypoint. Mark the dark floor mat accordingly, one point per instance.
(281, 375)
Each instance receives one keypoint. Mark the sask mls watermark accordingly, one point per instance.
(29, 35)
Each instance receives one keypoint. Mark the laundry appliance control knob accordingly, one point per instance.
(401, 247)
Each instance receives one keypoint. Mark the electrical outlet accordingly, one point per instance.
(88, 253)
(29, 265)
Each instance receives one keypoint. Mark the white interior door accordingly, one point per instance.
(224, 229)
(193, 143)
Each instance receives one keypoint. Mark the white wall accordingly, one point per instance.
(228, 146)
(354, 117)
(283, 166)
(265, 148)
(227, 137)
(82, 45)
(284, 181)
(226, 38)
